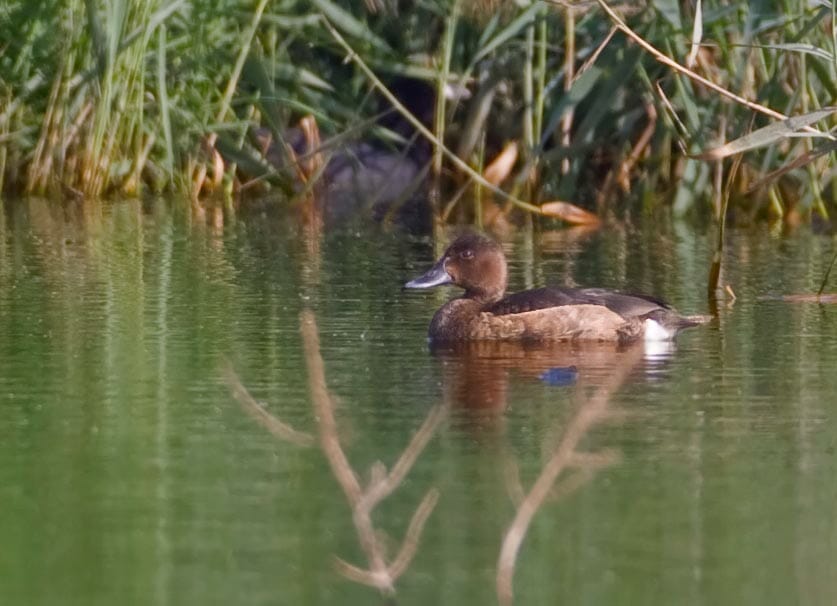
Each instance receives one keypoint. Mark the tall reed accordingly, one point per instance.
(119, 96)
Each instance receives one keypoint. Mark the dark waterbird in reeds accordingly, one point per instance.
(478, 264)
(368, 175)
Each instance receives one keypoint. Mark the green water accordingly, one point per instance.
(129, 474)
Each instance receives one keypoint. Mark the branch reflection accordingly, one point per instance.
(476, 375)
(598, 370)
(476, 381)
(380, 573)
(383, 569)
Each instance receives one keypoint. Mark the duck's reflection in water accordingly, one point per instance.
(476, 375)
(480, 379)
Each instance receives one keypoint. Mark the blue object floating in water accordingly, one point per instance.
(560, 376)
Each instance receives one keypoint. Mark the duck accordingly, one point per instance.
(485, 311)
(370, 177)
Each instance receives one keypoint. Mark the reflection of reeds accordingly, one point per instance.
(591, 412)
(382, 571)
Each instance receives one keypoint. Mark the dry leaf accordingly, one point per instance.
(218, 168)
(500, 167)
(312, 162)
(569, 213)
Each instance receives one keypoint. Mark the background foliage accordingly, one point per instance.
(114, 97)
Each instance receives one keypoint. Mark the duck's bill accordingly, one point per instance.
(436, 276)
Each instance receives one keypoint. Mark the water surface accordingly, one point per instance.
(130, 474)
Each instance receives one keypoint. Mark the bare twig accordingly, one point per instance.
(591, 412)
(623, 175)
(578, 427)
(681, 129)
(569, 485)
(730, 292)
(281, 430)
(380, 575)
(588, 464)
(340, 467)
(595, 54)
(717, 257)
(324, 409)
(411, 538)
(827, 273)
(376, 491)
(358, 575)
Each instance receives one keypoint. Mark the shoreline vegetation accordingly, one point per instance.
(614, 108)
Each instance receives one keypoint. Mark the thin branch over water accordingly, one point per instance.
(255, 409)
(380, 573)
(592, 412)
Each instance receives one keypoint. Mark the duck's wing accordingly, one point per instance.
(626, 305)
(540, 298)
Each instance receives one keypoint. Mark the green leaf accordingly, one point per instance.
(348, 24)
(578, 91)
(670, 10)
(697, 35)
(769, 134)
(305, 77)
(808, 49)
(524, 20)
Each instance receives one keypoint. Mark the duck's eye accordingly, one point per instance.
(466, 254)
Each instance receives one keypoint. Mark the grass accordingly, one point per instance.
(617, 109)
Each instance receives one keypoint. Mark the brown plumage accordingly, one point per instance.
(477, 264)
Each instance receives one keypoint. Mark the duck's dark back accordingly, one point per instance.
(626, 305)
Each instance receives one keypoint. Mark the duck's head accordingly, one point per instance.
(473, 262)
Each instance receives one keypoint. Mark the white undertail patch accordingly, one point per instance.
(654, 331)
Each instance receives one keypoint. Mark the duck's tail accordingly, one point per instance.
(664, 324)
